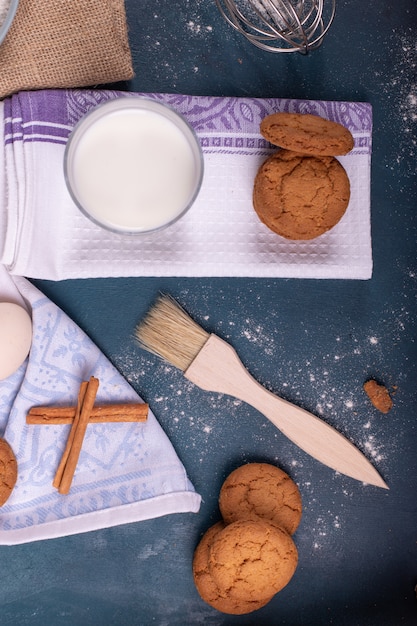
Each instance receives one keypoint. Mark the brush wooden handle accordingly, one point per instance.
(218, 368)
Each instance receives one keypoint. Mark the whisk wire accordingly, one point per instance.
(280, 25)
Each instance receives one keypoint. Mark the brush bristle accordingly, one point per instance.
(170, 333)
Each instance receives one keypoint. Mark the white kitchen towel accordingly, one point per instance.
(43, 234)
(126, 472)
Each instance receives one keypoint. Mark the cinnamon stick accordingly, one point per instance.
(54, 415)
(77, 412)
(79, 432)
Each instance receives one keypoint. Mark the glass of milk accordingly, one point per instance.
(133, 165)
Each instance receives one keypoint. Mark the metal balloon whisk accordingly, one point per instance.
(280, 25)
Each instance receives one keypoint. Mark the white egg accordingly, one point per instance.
(15, 337)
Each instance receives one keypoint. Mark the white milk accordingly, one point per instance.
(134, 169)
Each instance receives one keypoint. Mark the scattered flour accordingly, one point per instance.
(401, 85)
(155, 549)
(196, 28)
(194, 19)
(327, 382)
(318, 383)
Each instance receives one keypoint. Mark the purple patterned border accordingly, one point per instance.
(223, 124)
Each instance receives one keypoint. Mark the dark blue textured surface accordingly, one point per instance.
(314, 342)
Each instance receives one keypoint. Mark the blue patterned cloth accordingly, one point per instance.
(126, 471)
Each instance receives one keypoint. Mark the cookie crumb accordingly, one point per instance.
(378, 395)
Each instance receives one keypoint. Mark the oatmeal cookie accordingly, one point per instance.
(261, 491)
(307, 134)
(252, 560)
(209, 591)
(300, 197)
(8, 471)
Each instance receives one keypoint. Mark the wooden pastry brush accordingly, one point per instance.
(212, 364)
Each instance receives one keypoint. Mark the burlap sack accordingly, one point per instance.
(65, 43)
